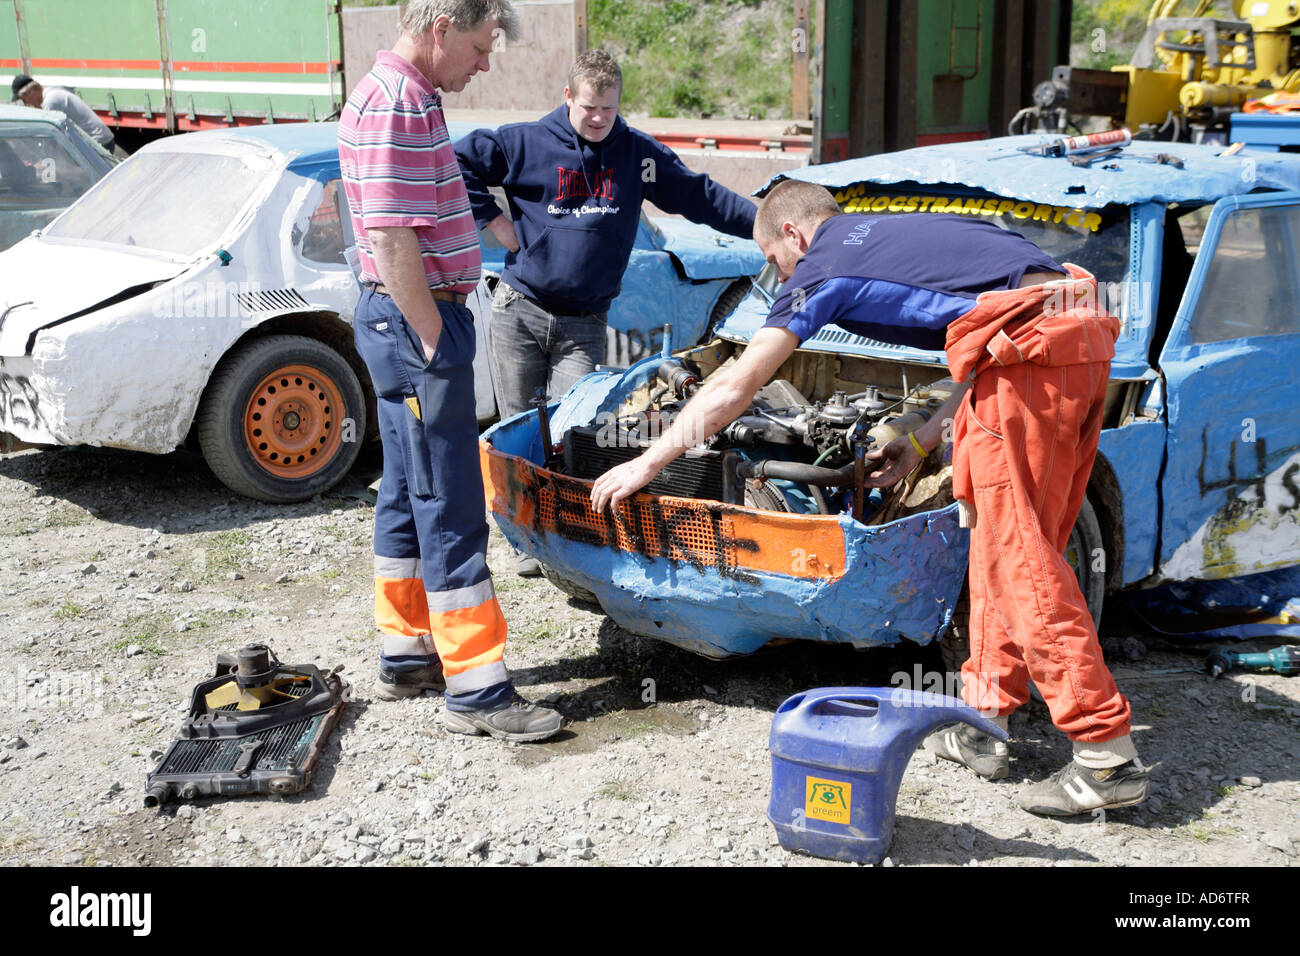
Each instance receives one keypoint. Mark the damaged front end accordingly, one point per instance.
(765, 532)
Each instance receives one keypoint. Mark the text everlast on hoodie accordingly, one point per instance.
(576, 204)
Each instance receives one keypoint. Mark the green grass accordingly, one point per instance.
(66, 516)
(617, 790)
(717, 57)
(69, 611)
(222, 552)
(629, 725)
(141, 629)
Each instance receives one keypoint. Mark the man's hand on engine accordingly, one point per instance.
(897, 459)
(617, 483)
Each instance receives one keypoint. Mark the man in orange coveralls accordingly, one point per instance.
(1039, 350)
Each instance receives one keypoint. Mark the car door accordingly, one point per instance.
(1230, 493)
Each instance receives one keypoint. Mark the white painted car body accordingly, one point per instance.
(104, 343)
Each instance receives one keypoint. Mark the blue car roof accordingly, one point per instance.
(310, 147)
(999, 167)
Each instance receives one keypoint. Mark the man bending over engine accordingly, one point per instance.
(1027, 420)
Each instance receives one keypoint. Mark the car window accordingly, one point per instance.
(765, 286)
(37, 168)
(323, 241)
(90, 144)
(1251, 286)
(171, 202)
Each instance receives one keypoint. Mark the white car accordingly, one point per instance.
(199, 291)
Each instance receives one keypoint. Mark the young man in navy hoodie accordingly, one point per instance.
(574, 180)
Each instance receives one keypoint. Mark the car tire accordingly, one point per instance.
(282, 419)
(1085, 540)
(570, 587)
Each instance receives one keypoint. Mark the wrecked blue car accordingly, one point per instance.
(1198, 474)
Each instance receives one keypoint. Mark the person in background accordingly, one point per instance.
(30, 93)
(575, 181)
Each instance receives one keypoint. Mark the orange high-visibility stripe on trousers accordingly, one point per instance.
(464, 627)
(1026, 438)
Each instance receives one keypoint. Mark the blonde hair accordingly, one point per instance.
(598, 68)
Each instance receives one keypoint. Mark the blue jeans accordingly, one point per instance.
(531, 348)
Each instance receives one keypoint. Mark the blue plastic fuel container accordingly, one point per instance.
(838, 755)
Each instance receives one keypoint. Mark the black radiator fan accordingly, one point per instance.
(258, 726)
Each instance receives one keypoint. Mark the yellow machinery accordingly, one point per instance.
(1188, 74)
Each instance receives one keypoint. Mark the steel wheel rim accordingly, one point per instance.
(291, 421)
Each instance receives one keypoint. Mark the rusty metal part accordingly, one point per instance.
(544, 429)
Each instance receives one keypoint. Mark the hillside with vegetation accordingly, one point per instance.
(732, 58)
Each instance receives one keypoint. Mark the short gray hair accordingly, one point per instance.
(418, 15)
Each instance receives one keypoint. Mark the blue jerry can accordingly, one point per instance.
(838, 755)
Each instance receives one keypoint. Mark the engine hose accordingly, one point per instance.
(826, 454)
(797, 471)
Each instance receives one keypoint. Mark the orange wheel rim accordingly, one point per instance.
(292, 423)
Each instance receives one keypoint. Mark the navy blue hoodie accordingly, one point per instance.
(576, 204)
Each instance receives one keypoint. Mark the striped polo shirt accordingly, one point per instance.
(399, 170)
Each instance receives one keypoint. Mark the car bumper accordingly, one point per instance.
(84, 385)
(720, 579)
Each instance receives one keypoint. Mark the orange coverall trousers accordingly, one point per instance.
(1026, 436)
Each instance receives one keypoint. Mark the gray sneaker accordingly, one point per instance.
(401, 684)
(516, 719)
(1076, 789)
(981, 752)
(526, 566)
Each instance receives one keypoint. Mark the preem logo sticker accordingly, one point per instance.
(827, 800)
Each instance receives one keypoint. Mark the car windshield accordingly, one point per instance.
(174, 203)
(37, 168)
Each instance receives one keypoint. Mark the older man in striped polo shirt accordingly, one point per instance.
(419, 251)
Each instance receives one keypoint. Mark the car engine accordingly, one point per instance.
(787, 452)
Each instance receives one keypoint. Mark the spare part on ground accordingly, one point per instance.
(257, 726)
(838, 756)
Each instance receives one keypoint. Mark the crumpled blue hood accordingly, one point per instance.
(998, 166)
(706, 253)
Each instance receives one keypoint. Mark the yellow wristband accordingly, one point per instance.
(917, 445)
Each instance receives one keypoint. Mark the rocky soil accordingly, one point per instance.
(122, 576)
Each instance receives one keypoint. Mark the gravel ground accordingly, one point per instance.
(122, 576)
